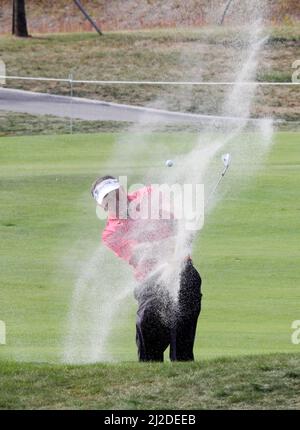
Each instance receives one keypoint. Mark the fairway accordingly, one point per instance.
(248, 252)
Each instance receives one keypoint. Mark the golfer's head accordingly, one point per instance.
(107, 191)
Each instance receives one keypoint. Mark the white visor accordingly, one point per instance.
(104, 188)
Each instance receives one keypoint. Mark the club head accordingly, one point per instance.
(226, 158)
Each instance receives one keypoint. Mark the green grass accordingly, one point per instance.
(248, 252)
(248, 255)
(258, 382)
(20, 124)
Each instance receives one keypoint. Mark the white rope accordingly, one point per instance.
(79, 81)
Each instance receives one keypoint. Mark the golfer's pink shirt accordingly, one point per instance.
(123, 235)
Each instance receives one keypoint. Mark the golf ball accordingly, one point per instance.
(169, 163)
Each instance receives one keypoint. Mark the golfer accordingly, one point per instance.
(142, 243)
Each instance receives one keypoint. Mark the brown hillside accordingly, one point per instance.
(63, 16)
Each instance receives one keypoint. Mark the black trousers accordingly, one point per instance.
(159, 324)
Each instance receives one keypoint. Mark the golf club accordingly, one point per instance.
(226, 158)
